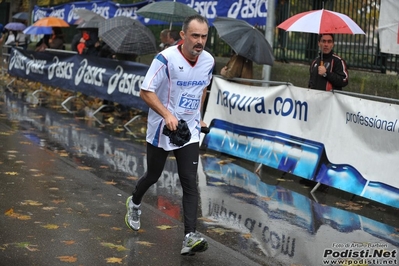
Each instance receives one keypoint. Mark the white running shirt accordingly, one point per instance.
(179, 87)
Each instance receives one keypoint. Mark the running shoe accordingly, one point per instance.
(193, 242)
(132, 218)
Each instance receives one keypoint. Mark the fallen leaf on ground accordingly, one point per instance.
(68, 258)
(220, 231)
(49, 208)
(247, 236)
(68, 242)
(114, 260)
(31, 202)
(12, 214)
(145, 243)
(37, 175)
(165, 227)
(85, 168)
(117, 247)
(207, 220)
(110, 182)
(11, 173)
(50, 226)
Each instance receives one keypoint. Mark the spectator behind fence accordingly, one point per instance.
(88, 43)
(332, 74)
(174, 38)
(238, 67)
(43, 43)
(56, 40)
(164, 36)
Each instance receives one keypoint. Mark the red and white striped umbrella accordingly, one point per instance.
(321, 22)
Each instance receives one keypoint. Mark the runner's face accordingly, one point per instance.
(326, 44)
(195, 38)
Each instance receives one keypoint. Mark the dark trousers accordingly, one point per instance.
(187, 164)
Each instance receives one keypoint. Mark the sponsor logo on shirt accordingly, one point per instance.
(191, 83)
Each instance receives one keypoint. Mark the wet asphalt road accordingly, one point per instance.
(64, 180)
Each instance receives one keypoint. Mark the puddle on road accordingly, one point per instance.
(269, 217)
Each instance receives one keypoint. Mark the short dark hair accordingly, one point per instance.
(321, 35)
(174, 34)
(198, 17)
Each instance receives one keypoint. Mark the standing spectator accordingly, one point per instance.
(11, 38)
(88, 43)
(75, 41)
(43, 43)
(238, 67)
(174, 38)
(165, 89)
(332, 73)
(56, 40)
(16, 39)
(164, 36)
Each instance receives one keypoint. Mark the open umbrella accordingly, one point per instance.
(87, 14)
(21, 16)
(91, 24)
(245, 40)
(127, 36)
(167, 11)
(35, 30)
(90, 19)
(51, 22)
(321, 22)
(17, 26)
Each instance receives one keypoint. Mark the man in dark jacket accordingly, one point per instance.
(328, 71)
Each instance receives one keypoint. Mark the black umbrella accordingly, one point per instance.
(169, 11)
(90, 19)
(21, 16)
(245, 40)
(90, 24)
(166, 11)
(127, 36)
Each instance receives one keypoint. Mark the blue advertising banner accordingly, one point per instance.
(343, 142)
(254, 12)
(113, 80)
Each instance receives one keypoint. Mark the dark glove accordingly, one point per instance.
(180, 136)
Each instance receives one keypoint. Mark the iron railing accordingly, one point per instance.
(359, 51)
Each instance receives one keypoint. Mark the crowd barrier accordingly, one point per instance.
(108, 79)
(343, 140)
(334, 138)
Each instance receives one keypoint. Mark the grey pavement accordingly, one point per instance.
(57, 213)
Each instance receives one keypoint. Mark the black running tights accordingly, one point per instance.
(187, 164)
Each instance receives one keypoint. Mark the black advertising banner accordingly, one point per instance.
(108, 79)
